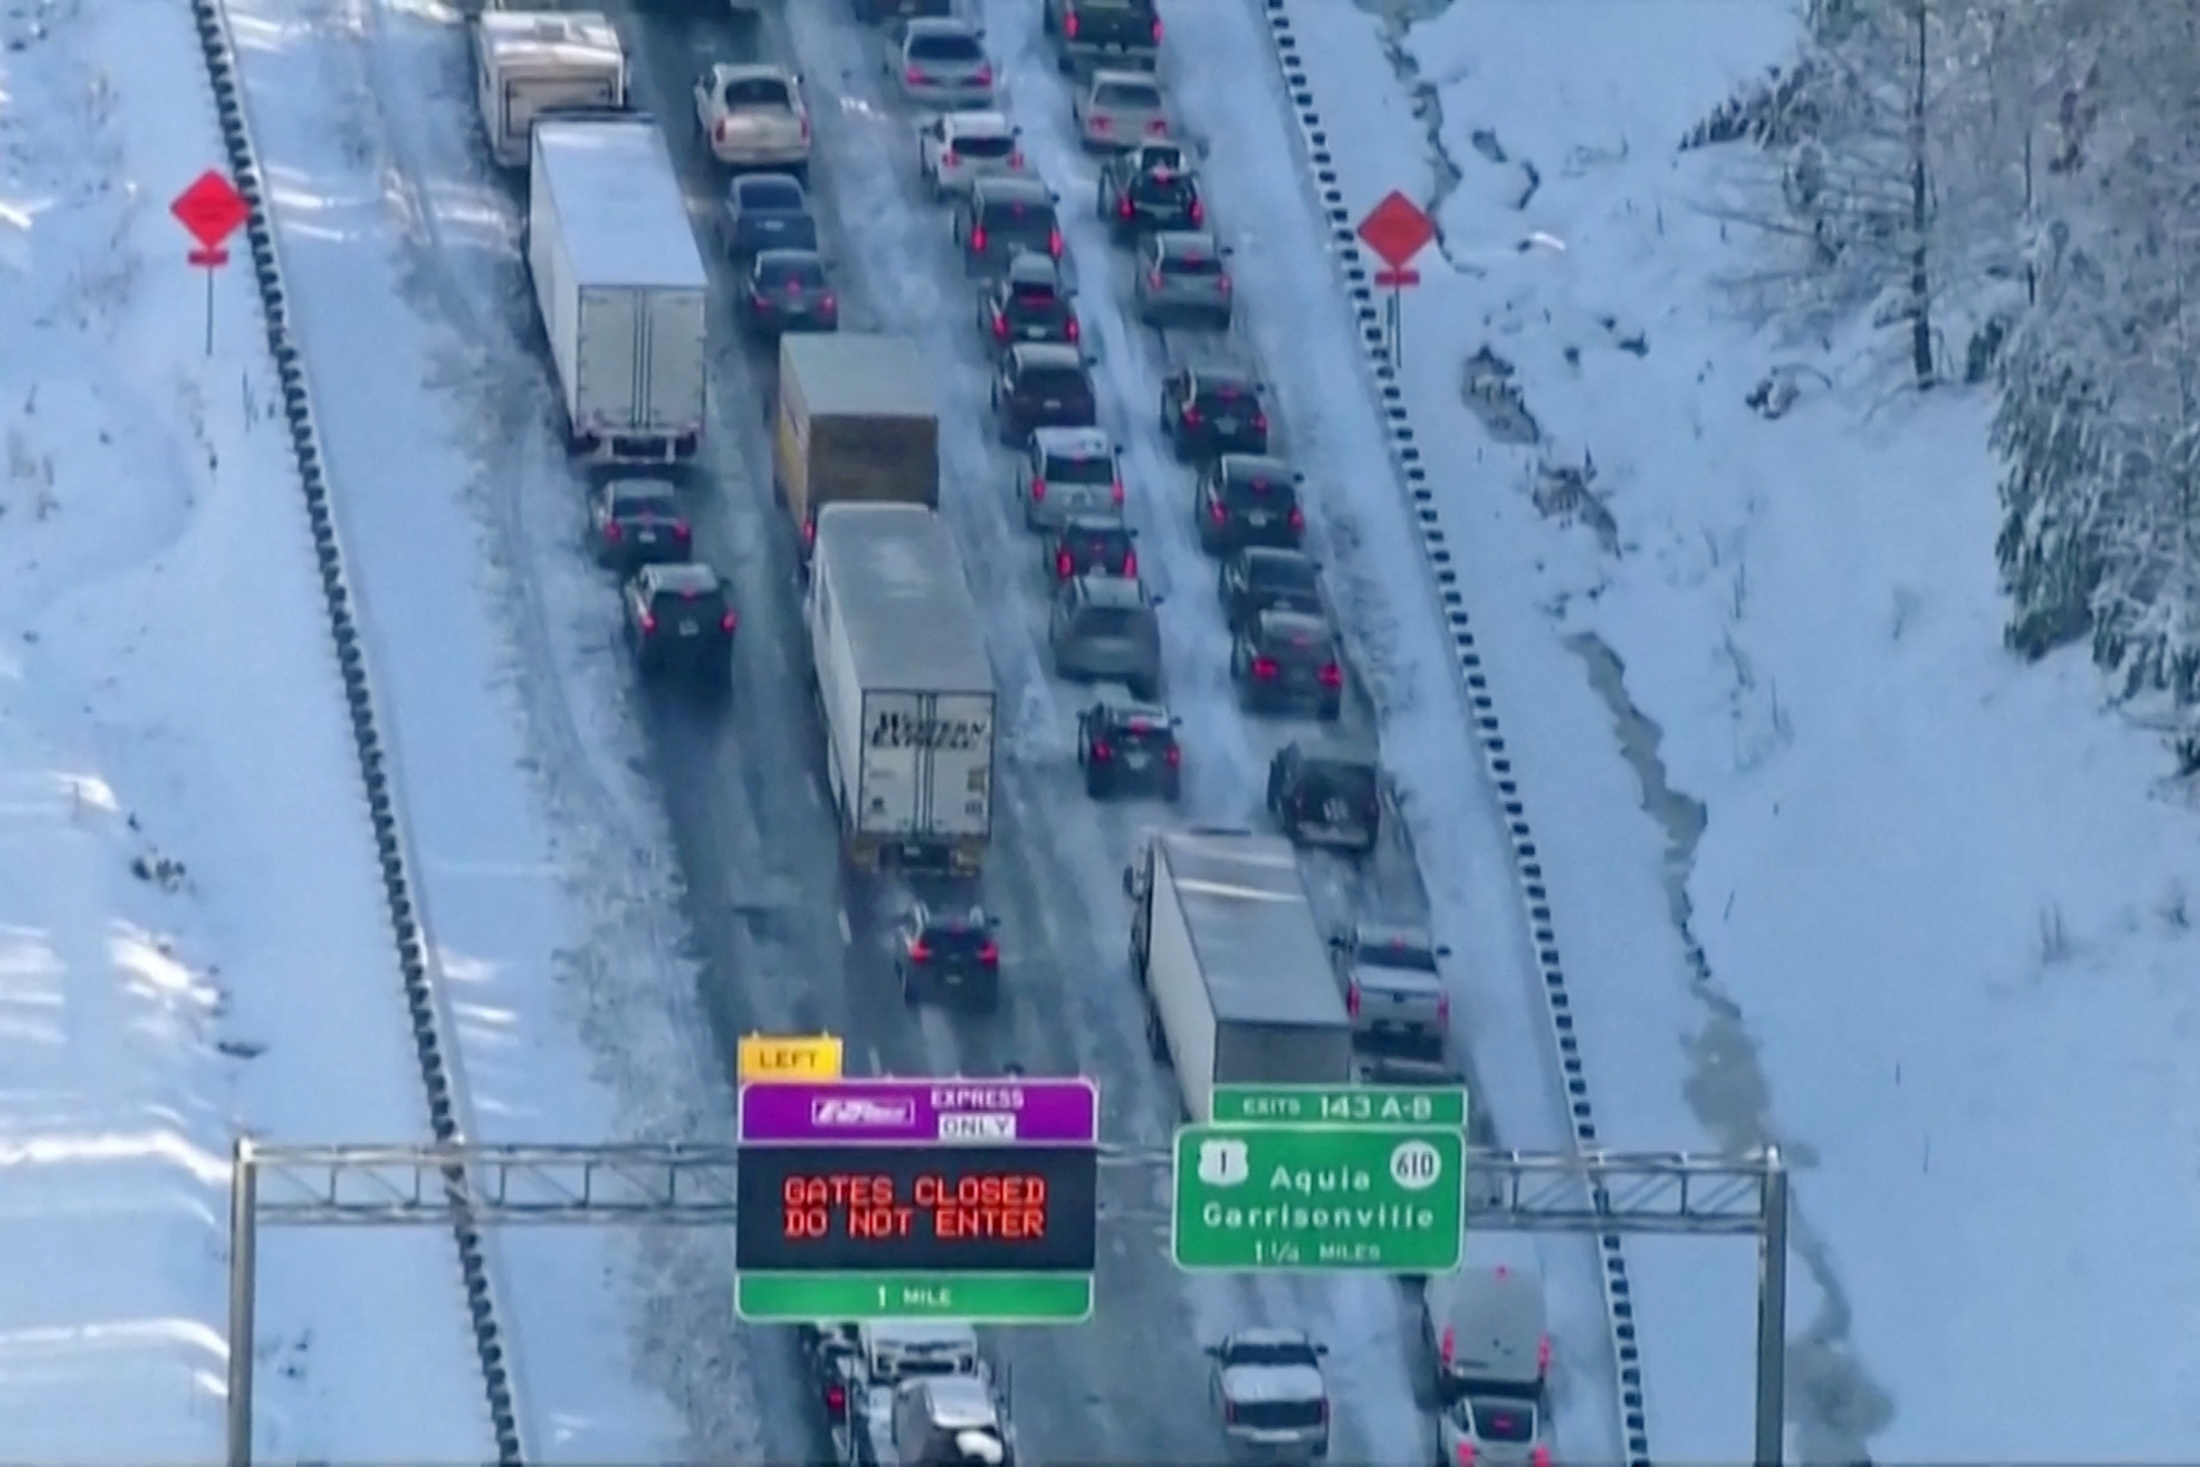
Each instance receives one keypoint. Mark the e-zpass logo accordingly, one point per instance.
(842, 1111)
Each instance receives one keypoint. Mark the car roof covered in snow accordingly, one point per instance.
(620, 212)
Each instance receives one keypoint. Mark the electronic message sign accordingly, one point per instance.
(917, 1209)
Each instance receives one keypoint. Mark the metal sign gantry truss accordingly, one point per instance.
(679, 1184)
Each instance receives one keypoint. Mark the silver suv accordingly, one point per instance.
(1068, 473)
(1106, 629)
(1268, 1387)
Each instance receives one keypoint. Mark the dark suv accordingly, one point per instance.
(942, 954)
(1209, 411)
(1030, 302)
(1127, 747)
(1042, 385)
(1096, 33)
(1286, 662)
(679, 622)
(1002, 217)
(1245, 499)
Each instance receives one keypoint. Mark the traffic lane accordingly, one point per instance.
(1362, 1317)
(1044, 862)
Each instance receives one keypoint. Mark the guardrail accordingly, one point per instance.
(415, 953)
(1311, 138)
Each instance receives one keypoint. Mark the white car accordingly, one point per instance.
(753, 116)
(1120, 109)
(957, 147)
(1492, 1431)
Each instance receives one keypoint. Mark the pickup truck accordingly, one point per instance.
(1090, 34)
(1401, 1014)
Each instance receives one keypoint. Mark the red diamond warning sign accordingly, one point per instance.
(1397, 229)
(211, 208)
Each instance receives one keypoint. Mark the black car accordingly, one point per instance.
(1247, 499)
(1209, 411)
(1150, 188)
(679, 622)
(1042, 385)
(1263, 578)
(1129, 748)
(1001, 218)
(1326, 794)
(948, 954)
(1093, 545)
(788, 290)
(766, 211)
(1286, 662)
(637, 522)
(875, 11)
(1030, 302)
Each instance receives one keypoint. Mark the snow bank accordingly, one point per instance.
(191, 942)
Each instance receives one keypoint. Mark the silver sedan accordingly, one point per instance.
(1120, 109)
(942, 66)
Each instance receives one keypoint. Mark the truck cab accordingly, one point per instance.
(534, 64)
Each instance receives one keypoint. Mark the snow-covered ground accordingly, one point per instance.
(1757, 676)
(192, 939)
(540, 858)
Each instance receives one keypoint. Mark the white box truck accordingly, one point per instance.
(624, 297)
(904, 686)
(1233, 965)
(532, 65)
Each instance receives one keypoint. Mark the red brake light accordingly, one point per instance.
(728, 622)
(977, 239)
(1103, 124)
(1543, 1355)
(1450, 1345)
(1115, 492)
(1065, 565)
(649, 623)
(1191, 417)
(1332, 675)
(718, 131)
(613, 533)
(1265, 668)
(1016, 158)
(915, 76)
(920, 951)
(1541, 1456)
(950, 159)
(984, 77)
(809, 531)
(1157, 30)
(1154, 279)
(1073, 330)
(1298, 519)
(1054, 243)
(1172, 756)
(1260, 422)
(829, 303)
(1000, 326)
(680, 531)
(836, 1398)
(989, 954)
(1465, 1454)
(1218, 512)
(1159, 128)
(1352, 999)
(1123, 207)
(1443, 1008)
(1130, 565)
(794, 287)
(1199, 211)
(1070, 25)
(1038, 490)
(1102, 751)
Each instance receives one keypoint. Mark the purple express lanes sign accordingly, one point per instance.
(922, 1112)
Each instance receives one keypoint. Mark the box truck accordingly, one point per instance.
(532, 65)
(1233, 965)
(855, 424)
(904, 687)
(621, 286)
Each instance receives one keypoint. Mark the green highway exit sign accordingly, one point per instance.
(1265, 1198)
(1340, 1105)
(980, 1298)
